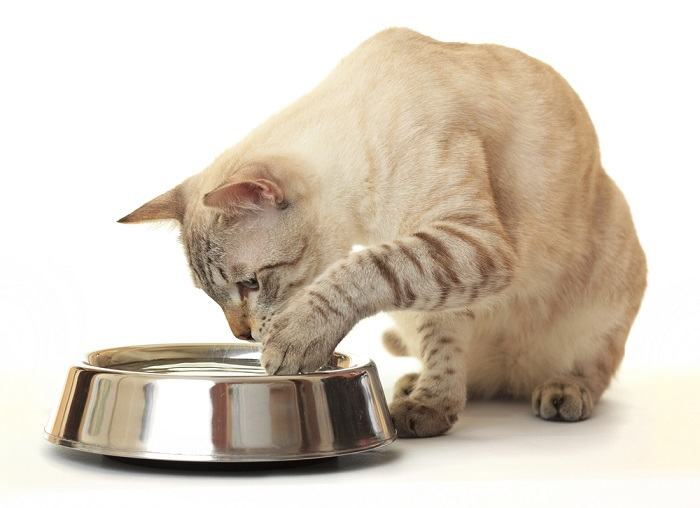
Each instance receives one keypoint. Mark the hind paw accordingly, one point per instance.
(562, 400)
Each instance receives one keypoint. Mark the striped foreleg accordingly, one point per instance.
(449, 265)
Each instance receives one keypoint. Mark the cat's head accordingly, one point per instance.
(251, 239)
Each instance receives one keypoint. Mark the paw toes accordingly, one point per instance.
(272, 358)
(411, 426)
(562, 401)
(405, 386)
(284, 358)
(418, 420)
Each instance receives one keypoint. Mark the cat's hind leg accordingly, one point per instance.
(428, 404)
(394, 343)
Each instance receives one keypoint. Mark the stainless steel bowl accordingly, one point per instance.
(214, 402)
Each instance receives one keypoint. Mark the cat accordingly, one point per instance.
(493, 236)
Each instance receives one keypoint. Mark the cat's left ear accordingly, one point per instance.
(170, 205)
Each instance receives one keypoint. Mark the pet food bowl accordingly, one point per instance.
(214, 402)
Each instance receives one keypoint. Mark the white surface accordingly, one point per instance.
(641, 445)
(103, 107)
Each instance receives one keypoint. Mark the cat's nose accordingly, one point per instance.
(240, 329)
(241, 332)
(245, 336)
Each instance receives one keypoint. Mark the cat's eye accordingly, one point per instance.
(250, 284)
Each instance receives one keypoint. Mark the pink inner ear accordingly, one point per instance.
(270, 191)
(246, 194)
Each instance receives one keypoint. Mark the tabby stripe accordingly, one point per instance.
(273, 288)
(207, 265)
(386, 271)
(475, 292)
(411, 257)
(290, 262)
(196, 272)
(439, 252)
(483, 260)
(201, 268)
(344, 295)
(209, 270)
(409, 294)
(425, 326)
(202, 263)
(318, 309)
(325, 301)
(425, 343)
(222, 273)
(444, 288)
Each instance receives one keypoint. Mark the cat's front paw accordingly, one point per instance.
(405, 386)
(415, 419)
(301, 339)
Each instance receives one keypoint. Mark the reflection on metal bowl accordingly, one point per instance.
(214, 402)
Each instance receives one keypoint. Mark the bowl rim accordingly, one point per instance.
(357, 364)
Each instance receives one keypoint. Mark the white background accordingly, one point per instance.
(103, 106)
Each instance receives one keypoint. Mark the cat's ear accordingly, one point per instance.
(247, 195)
(170, 205)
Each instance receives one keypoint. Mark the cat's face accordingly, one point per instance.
(250, 245)
(251, 265)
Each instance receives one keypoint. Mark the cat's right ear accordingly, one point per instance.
(247, 195)
(170, 205)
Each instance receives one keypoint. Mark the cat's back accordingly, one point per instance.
(403, 56)
(408, 46)
(534, 128)
(496, 91)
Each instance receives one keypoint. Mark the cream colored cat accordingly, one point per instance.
(472, 174)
